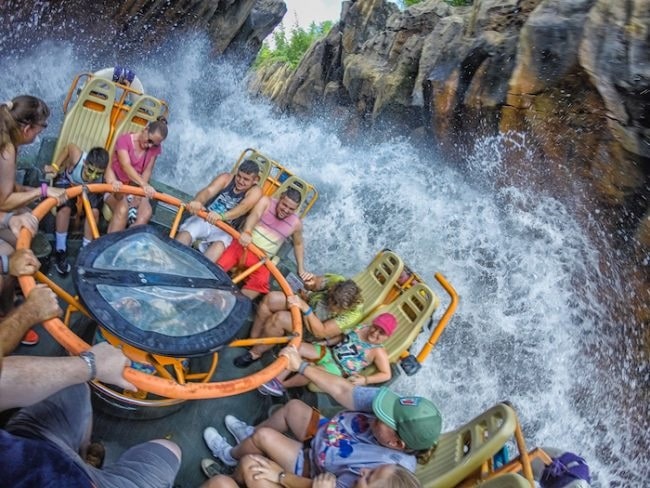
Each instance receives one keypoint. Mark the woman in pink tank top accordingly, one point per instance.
(132, 163)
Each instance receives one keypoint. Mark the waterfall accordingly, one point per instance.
(535, 324)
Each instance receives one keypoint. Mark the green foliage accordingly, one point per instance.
(291, 50)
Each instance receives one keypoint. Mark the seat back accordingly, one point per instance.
(461, 452)
(378, 278)
(146, 109)
(87, 123)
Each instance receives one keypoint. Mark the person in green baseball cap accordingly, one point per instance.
(376, 427)
(416, 420)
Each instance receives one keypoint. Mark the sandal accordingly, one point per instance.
(245, 360)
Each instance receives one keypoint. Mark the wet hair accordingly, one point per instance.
(344, 295)
(292, 194)
(158, 126)
(98, 157)
(249, 167)
(25, 110)
(399, 478)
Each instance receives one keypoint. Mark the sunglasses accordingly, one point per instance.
(153, 143)
(93, 172)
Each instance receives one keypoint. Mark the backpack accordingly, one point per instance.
(565, 471)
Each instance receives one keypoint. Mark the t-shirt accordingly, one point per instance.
(139, 163)
(345, 444)
(318, 302)
(37, 462)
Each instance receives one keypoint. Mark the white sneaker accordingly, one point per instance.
(238, 428)
(219, 446)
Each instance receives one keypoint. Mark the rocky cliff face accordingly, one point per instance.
(574, 75)
(138, 27)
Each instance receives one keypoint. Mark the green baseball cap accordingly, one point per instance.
(416, 420)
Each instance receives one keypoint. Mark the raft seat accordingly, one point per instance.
(377, 280)
(462, 452)
(87, 123)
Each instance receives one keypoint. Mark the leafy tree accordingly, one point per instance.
(291, 50)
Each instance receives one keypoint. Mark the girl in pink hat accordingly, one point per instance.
(344, 355)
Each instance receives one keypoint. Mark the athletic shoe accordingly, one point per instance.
(30, 339)
(273, 388)
(219, 446)
(61, 262)
(245, 360)
(240, 430)
(212, 468)
(132, 216)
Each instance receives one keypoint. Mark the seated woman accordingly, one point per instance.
(132, 164)
(333, 305)
(350, 354)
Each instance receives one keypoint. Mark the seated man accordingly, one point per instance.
(376, 427)
(75, 167)
(45, 442)
(345, 355)
(335, 305)
(270, 223)
(227, 198)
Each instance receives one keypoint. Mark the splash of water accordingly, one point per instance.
(534, 323)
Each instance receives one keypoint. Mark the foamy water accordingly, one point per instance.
(534, 324)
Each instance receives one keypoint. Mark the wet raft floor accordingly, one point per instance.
(185, 426)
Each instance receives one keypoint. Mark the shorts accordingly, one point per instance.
(64, 420)
(302, 466)
(327, 361)
(258, 280)
(200, 230)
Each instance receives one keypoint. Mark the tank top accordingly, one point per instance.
(271, 232)
(74, 175)
(226, 200)
(352, 353)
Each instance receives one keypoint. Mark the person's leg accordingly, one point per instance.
(152, 464)
(231, 256)
(272, 302)
(272, 444)
(277, 324)
(295, 417)
(62, 225)
(249, 473)
(64, 418)
(144, 212)
(192, 229)
(215, 250)
(120, 208)
(219, 240)
(88, 234)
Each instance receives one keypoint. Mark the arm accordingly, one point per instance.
(339, 388)
(26, 380)
(380, 360)
(68, 158)
(124, 161)
(299, 248)
(41, 304)
(215, 186)
(329, 328)
(252, 220)
(252, 197)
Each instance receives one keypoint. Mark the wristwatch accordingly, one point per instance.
(89, 357)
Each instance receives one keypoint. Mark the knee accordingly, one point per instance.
(295, 407)
(264, 436)
(172, 446)
(279, 321)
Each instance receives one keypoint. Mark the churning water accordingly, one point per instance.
(534, 325)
